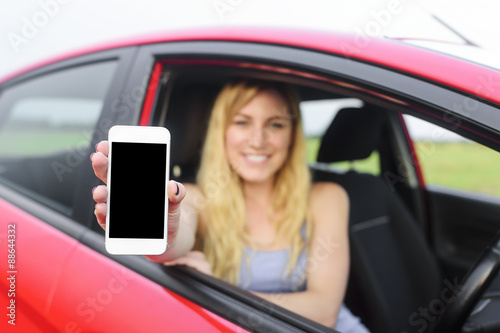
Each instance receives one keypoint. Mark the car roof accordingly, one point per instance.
(470, 77)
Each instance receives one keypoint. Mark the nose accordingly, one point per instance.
(257, 137)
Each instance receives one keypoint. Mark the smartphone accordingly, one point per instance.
(138, 174)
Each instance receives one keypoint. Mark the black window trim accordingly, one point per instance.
(439, 101)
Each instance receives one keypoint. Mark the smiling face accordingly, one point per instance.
(258, 137)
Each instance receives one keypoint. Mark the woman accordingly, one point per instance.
(254, 216)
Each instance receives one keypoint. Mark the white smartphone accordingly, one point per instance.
(138, 174)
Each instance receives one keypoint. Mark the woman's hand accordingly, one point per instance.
(100, 165)
(194, 259)
(175, 190)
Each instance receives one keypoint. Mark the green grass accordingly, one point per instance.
(459, 165)
(29, 143)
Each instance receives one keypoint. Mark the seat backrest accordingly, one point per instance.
(188, 111)
(393, 271)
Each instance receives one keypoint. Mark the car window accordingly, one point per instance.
(317, 115)
(450, 160)
(46, 124)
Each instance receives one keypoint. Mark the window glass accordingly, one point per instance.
(45, 129)
(448, 159)
(317, 115)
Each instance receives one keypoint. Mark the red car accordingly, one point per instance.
(424, 257)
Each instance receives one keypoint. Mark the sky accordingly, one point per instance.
(33, 30)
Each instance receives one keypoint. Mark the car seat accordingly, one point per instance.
(188, 111)
(394, 273)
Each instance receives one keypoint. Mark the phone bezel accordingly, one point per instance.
(137, 134)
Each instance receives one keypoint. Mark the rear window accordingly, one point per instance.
(317, 115)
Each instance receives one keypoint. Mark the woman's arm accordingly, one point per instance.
(186, 214)
(182, 224)
(328, 258)
(182, 213)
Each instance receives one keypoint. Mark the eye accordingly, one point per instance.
(241, 122)
(277, 125)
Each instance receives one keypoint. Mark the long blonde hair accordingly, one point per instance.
(224, 238)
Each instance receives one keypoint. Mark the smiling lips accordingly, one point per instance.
(256, 158)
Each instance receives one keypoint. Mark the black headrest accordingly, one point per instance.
(187, 117)
(353, 135)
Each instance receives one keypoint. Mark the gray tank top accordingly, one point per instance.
(265, 272)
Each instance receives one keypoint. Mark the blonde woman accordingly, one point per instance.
(254, 219)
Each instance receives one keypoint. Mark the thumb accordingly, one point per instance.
(176, 193)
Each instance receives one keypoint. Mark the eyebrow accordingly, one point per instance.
(286, 117)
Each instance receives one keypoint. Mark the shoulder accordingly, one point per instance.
(328, 199)
(328, 193)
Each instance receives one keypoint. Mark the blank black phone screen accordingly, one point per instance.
(137, 190)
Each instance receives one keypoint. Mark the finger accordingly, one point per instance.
(100, 166)
(103, 147)
(100, 194)
(176, 193)
(100, 213)
(100, 160)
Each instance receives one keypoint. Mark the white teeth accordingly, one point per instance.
(256, 158)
